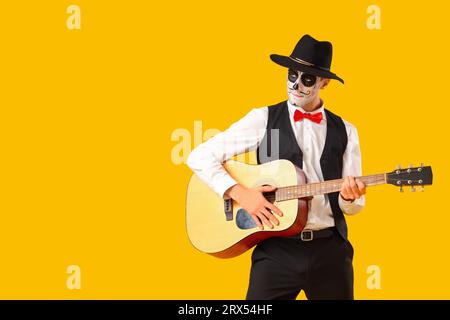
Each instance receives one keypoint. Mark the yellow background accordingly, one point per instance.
(87, 117)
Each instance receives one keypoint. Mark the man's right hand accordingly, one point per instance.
(254, 202)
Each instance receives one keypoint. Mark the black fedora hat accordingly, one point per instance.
(310, 56)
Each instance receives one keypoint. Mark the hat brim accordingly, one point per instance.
(290, 63)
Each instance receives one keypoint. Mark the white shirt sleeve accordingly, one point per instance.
(352, 167)
(242, 136)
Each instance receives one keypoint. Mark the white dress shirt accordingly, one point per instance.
(246, 134)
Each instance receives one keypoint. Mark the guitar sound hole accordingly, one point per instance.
(270, 196)
(244, 220)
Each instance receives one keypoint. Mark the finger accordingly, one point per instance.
(270, 216)
(361, 186)
(257, 221)
(265, 220)
(345, 195)
(347, 181)
(274, 208)
(354, 188)
(349, 193)
(266, 188)
(344, 187)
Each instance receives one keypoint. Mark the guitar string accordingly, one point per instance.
(368, 179)
(283, 194)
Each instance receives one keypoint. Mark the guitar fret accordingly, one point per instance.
(318, 188)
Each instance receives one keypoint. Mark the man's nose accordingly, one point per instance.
(295, 87)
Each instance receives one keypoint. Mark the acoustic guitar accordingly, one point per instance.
(222, 228)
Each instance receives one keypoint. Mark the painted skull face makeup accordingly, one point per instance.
(308, 80)
(302, 87)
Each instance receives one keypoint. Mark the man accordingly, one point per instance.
(319, 260)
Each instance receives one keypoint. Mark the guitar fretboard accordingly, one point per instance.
(318, 188)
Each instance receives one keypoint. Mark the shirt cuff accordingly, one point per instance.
(351, 207)
(224, 184)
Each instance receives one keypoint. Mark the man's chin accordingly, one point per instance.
(296, 101)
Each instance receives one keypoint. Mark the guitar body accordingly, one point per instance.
(209, 228)
(222, 228)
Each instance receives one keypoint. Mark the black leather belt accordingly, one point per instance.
(309, 235)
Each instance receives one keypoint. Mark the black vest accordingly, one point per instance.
(330, 161)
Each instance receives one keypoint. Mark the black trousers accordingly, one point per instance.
(282, 267)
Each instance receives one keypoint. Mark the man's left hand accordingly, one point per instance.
(352, 188)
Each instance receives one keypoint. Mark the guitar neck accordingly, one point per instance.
(318, 188)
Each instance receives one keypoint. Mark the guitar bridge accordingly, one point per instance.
(228, 208)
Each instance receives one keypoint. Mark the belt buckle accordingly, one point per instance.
(309, 234)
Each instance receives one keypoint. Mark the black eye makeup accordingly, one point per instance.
(308, 80)
(292, 75)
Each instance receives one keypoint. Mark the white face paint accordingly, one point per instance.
(299, 94)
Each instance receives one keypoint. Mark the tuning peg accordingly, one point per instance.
(421, 167)
(422, 189)
(401, 188)
(413, 189)
(399, 167)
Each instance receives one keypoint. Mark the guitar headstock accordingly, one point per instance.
(412, 176)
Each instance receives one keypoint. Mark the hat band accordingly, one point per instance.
(309, 64)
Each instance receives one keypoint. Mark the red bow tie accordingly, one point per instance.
(314, 117)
